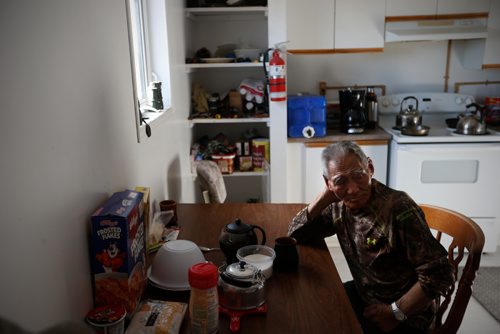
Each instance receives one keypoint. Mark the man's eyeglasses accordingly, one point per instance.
(356, 175)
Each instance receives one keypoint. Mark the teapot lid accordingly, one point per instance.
(238, 227)
(242, 270)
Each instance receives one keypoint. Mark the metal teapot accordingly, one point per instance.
(241, 286)
(472, 123)
(410, 117)
(236, 235)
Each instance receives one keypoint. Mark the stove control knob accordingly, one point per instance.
(468, 101)
(459, 100)
(395, 102)
(385, 102)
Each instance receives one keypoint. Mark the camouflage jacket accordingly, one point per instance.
(388, 247)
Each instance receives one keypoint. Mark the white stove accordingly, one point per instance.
(435, 109)
(459, 172)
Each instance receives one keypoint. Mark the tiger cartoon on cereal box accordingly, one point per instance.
(118, 257)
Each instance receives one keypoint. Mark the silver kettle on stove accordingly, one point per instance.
(472, 122)
(410, 117)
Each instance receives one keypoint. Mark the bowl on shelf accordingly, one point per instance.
(260, 256)
(169, 270)
(252, 54)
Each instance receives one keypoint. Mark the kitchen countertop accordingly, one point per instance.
(334, 135)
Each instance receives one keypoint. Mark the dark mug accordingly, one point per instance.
(287, 255)
(170, 205)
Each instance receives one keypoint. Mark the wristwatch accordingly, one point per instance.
(398, 314)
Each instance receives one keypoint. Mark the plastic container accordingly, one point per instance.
(225, 162)
(204, 298)
(306, 116)
(259, 256)
(108, 319)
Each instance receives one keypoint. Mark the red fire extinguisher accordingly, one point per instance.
(276, 76)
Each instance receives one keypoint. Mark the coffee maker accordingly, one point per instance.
(352, 111)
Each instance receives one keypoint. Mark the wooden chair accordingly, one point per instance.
(467, 237)
(211, 182)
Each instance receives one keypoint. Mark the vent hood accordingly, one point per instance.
(436, 30)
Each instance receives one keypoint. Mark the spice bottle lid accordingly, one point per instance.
(203, 275)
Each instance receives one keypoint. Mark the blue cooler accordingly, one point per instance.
(306, 116)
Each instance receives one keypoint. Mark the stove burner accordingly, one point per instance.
(397, 128)
(471, 134)
(451, 122)
(235, 315)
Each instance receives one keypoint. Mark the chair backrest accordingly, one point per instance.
(211, 182)
(467, 239)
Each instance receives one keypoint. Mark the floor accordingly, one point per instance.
(476, 320)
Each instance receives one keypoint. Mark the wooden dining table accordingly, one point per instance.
(310, 300)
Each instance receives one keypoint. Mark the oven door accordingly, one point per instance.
(459, 176)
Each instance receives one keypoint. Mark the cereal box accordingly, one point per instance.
(118, 250)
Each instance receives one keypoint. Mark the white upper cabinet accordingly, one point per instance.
(335, 24)
(463, 6)
(359, 24)
(492, 44)
(410, 7)
(310, 24)
(435, 7)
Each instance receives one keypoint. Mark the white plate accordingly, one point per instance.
(158, 285)
(217, 60)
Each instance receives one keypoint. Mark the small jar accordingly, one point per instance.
(214, 104)
(109, 319)
(204, 299)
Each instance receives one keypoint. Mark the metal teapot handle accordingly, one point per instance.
(479, 110)
(263, 233)
(407, 98)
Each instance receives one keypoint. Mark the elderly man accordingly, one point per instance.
(398, 267)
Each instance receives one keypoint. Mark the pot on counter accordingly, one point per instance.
(415, 130)
(472, 122)
(241, 286)
(410, 117)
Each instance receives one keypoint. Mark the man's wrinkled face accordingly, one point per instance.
(350, 180)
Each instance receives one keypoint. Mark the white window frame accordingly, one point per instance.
(141, 24)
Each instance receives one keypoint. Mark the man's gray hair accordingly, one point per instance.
(335, 152)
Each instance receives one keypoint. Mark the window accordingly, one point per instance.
(150, 62)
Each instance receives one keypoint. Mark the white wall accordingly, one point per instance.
(68, 141)
(402, 67)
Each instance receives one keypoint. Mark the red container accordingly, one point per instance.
(492, 109)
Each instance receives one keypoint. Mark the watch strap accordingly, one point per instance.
(398, 314)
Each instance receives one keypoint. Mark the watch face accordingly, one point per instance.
(399, 316)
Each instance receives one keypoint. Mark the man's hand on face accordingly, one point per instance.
(330, 195)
